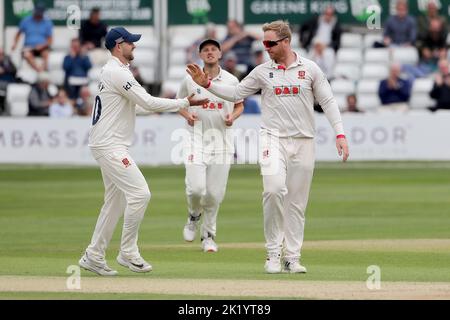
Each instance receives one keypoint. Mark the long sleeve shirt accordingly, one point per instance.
(288, 95)
(120, 97)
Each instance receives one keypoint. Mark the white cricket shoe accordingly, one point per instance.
(209, 245)
(98, 267)
(190, 229)
(273, 264)
(293, 267)
(136, 264)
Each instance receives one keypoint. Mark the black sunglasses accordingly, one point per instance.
(271, 43)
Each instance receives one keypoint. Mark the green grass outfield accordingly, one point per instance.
(47, 216)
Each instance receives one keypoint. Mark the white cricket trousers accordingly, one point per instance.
(206, 182)
(287, 167)
(126, 193)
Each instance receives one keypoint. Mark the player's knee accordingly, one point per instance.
(142, 196)
(196, 190)
(213, 197)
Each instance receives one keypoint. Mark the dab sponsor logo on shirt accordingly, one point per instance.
(286, 91)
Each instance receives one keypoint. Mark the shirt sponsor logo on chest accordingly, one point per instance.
(213, 105)
(287, 90)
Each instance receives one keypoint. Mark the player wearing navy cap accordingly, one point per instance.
(111, 134)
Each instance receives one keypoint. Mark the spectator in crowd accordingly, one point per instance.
(93, 31)
(61, 106)
(443, 67)
(401, 29)
(423, 21)
(434, 42)
(7, 68)
(230, 61)
(325, 27)
(394, 92)
(84, 103)
(251, 106)
(40, 98)
(352, 104)
(38, 31)
(76, 66)
(239, 41)
(7, 75)
(441, 92)
(192, 51)
(323, 56)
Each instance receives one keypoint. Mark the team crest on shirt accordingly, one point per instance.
(126, 162)
(199, 91)
(265, 154)
(301, 74)
(191, 158)
(271, 75)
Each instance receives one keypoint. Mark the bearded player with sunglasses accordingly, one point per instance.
(290, 84)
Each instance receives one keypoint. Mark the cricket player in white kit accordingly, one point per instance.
(111, 134)
(289, 85)
(210, 150)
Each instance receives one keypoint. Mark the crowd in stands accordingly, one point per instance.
(320, 39)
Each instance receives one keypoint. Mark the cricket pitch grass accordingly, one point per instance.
(365, 222)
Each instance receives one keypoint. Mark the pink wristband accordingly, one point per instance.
(209, 84)
(340, 136)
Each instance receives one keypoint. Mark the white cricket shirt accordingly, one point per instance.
(114, 112)
(210, 128)
(288, 95)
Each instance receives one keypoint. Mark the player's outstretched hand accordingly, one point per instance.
(197, 74)
(196, 102)
(342, 147)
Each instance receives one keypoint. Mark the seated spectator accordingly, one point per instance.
(93, 31)
(394, 92)
(434, 42)
(7, 75)
(239, 41)
(251, 106)
(38, 30)
(352, 104)
(230, 63)
(7, 68)
(84, 103)
(61, 106)
(323, 57)
(76, 66)
(423, 20)
(441, 92)
(192, 51)
(443, 67)
(401, 29)
(325, 27)
(40, 98)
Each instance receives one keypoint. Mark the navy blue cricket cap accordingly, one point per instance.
(208, 41)
(118, 35)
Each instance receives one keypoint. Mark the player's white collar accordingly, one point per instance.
(120, 62)
(219, 75)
